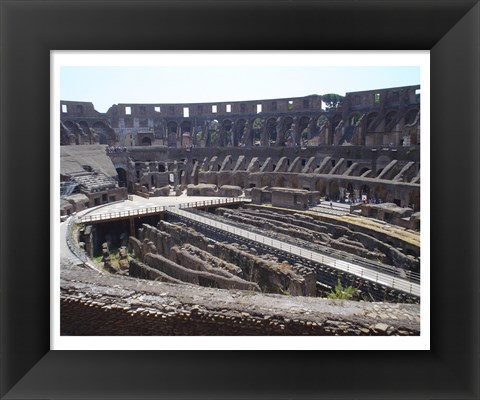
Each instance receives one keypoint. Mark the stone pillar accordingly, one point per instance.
(342, 191)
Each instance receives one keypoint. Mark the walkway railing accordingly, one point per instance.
(410, 276)
(362, 272)
(158, 209)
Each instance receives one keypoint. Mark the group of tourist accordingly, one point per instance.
(115, 149)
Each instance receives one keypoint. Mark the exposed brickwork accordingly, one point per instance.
(93, 304)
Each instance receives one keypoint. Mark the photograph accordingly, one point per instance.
(223, 198)
(239, 200)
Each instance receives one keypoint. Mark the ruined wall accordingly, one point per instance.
(168, 239)
(375, 117)
(88, 306)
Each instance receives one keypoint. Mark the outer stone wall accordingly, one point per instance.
(89, 306)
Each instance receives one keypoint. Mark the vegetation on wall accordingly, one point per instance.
(332, 100)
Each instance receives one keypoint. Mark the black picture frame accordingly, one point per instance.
(31, 29)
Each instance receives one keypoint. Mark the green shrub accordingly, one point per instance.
(342, 293)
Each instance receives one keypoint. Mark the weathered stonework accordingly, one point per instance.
(168, 240)
(374, 117)
(89, 305)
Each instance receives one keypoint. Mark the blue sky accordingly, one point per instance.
(108, 85)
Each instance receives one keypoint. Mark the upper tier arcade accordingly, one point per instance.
(375, 117)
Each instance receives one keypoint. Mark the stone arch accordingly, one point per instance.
(333, 190)
(365, 191)
(270, 132)
(172, 128)
(68, 124)
(257, 131)
(279, 180)
(104, 134)
(381, 192)
(185, 126)
(265, 180)
(349, 193)
(286, 134)
(321, 119)
(335, 123)
(122, 177)
(353, 118)
(390, 119)
(414, 199)
(146, 141)
(381, 163)
(371, 117)
(292, 182)
(86, 130)
(158, 129)
(363, 170)
(239, 130)
(161, 167)
(302, 129)
(320, 186)
(227, 133)
(212, 128)
(410, 116)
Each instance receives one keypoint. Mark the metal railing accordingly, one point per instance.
(158, 209)
(407, 275)
(357, 270)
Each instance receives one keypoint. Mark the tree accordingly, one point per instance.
(332, 100)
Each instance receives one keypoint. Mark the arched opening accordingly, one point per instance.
(381, 163)
(271, 132)
(414, 200)
(227, 132)
(354, 118)
(371, 118)
(86, 130)
(321, 120)
(257, 130)
(363, 171)
(333, 190)
(172, 128)
(186, 126)
(349, 195)
(161, 168)
(303, 130)
(212, 135)
(390, 119)
(382, 194)
(146, 141)
(240, 133)
(365, 193)
(410, 117)
(122, 177)
(279, 181)
(181, 177)
(288, 134)
(158, 128)
(320, 187)
(104, 136)
(266, 180)
(411, 253)
(336, 121)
